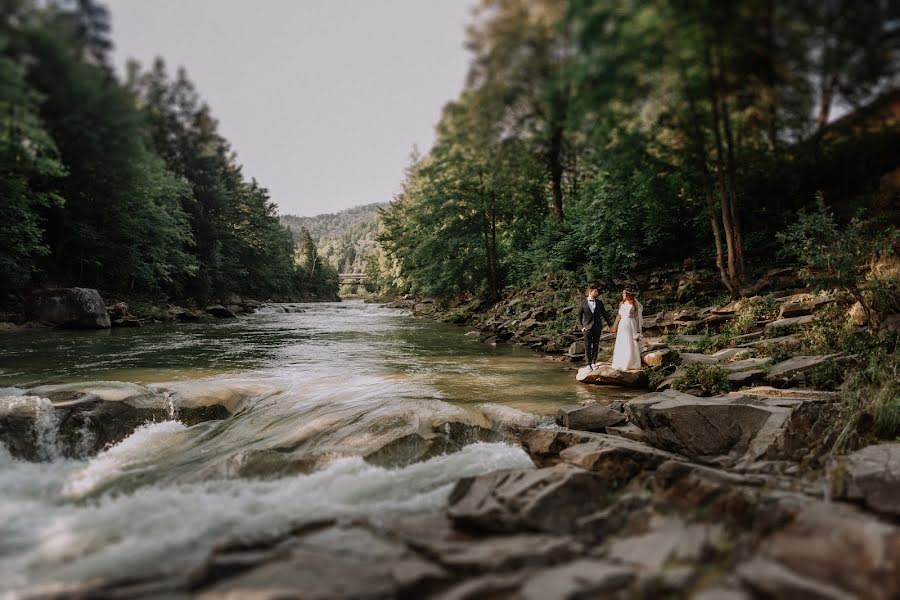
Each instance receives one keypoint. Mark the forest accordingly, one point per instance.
(345, 239)
(593, 139)
(124, 183)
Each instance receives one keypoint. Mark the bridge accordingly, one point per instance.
(353, 278)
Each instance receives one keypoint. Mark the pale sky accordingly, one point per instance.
(322, 100)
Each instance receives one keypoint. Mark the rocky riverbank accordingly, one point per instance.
(85, 308)
(742, 473)
(626, 513)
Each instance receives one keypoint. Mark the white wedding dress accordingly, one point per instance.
(627, 353)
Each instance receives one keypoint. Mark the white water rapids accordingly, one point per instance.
(311, 394)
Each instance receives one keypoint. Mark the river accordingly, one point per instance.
(311, 393)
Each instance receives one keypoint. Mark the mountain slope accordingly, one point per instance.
(345, 239)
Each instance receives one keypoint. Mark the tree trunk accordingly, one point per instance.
(720, 174)
(732, 178)
(699, 144)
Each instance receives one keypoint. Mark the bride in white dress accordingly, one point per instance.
(627, 353)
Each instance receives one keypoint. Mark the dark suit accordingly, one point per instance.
(590, 322)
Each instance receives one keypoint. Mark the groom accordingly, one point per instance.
(589, 314)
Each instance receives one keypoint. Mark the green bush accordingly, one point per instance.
(872, 399)
(833, 254)
(710, 379)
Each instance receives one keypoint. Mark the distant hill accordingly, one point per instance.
(345, 239)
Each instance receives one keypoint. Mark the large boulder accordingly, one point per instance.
(550, 499)
(616, 458)
(605, 375)
(34, 428)
(590, 417)
(184, 315)
(871, 475)
(722, 429)
(220, 312)
(77, 308)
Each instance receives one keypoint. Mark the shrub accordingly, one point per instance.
(711, 379)
(872, 398)
(833, 255)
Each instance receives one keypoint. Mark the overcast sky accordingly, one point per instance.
(322, 100)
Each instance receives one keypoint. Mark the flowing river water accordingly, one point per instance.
(336, 412)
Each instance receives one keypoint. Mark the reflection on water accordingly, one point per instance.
(311, 394)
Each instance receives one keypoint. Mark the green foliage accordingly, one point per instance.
(871, 398)
(346, 239)
(29, 164)
(753, 311)
(833, 254)
(126, 187)
(710, 379)
(598, 138)
(655, 376)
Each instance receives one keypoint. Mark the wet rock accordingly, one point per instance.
(872, 476)
(424, 308)
(120, 316)
(33, 428)
(445, 439)
(549, 499)
(77, 308)
(507, 418)
(795, 369)
(591, 417)
(220, 312)
(617, 458)
(544, 445)
(179, 313)
(606, 375)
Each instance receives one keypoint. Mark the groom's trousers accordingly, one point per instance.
(591, 345)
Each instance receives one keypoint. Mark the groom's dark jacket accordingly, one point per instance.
(591, 320)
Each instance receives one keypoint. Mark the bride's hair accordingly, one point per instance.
(630, 297)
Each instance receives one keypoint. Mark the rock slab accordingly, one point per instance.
(76, 308)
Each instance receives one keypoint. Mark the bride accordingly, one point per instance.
(627, 354)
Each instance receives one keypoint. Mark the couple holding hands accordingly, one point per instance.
(627, 327)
